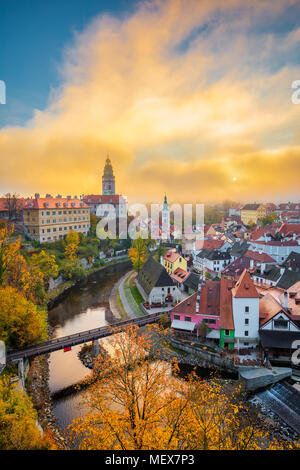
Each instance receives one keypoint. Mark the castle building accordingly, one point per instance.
(49, 219)
(100, 204)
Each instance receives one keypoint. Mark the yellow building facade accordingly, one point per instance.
(173, 260)
(50, 219)
(250, 213)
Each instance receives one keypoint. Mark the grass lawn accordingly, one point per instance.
(136, 295)
(120, 306)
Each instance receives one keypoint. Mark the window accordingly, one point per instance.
(280, 323)
(176, 317)
(246, 333)
(246, 321)
(227, 332)
(212, 321)
(187, 318)
(246, 309)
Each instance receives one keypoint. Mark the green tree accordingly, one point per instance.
(72, 270)
(161, 250)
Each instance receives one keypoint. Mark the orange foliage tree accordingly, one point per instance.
(136, 403)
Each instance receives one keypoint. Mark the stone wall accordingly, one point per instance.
(207, 359)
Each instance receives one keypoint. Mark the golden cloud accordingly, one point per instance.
(180, 107)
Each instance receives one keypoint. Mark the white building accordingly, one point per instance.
(245, 311)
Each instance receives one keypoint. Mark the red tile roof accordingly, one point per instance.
(54, 203)
(3, 203)
(244, 287)
(3, 206)
(268, 308)
(260, 257)
(260, 232)
(180, 275)
(209, 301)
(226, 318)
(103, 199)
(187, 306)
(287, 229)
(172, 256)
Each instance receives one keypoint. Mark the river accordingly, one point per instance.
(84, 307)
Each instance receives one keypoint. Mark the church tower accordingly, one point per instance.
(108, 179)
(165, 219)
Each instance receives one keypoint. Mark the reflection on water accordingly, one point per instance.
(84, 308)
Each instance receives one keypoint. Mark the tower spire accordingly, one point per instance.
(108, 179)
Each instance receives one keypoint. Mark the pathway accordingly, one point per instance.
(129, 304)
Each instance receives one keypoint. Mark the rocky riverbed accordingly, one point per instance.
(37, 388)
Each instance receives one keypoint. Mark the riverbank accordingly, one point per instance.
(56, 295)
(38, 375)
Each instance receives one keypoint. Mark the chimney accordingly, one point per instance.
(251, 263)
(262, 267)
(285, 300)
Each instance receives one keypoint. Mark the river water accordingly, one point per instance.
(83, 308)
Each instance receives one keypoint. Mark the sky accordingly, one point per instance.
(191, 99)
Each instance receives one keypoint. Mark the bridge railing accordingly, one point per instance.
(144, 320)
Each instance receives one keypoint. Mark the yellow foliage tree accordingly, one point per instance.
(8, 250)
(46, 263)
(138, 253)
(18, 429)
(21, 322)
(25, 278)
(139, 404)
(72, 242)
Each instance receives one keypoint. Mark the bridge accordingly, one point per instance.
(77, 338)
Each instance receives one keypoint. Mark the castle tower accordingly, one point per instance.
(108, 179)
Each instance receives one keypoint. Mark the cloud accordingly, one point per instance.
(183, 96)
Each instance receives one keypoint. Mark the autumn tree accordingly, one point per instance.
(136, 403)
(161, 250)
(21, 322)
(18, 429)
(8, 250)
(138, 253)
(46, 263)
(72, 243)
(13, 205)
(25, 278)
